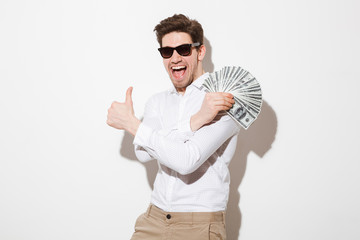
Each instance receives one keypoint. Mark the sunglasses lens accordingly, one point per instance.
(184, 50)
(166, 52)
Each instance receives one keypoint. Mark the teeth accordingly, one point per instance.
(178, 67)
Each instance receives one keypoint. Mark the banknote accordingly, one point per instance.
(245, 89)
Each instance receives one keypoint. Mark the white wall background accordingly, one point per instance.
(64, 174)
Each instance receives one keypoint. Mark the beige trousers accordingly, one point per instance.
(157, 224)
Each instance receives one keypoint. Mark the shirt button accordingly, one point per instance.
(168, 216)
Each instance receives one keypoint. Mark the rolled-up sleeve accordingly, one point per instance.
(182, 150)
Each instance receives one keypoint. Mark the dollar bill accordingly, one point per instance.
(245, 89)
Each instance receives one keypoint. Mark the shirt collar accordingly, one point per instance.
(198, 83)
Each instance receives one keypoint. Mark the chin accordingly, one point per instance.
(183, 83)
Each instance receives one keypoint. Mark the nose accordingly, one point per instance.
(176, 57)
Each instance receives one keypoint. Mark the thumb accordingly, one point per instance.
(128, 98)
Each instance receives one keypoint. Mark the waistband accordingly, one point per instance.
(173, 217)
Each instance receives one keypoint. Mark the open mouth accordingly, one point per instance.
(178, 71)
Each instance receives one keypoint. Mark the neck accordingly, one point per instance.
(199, 73)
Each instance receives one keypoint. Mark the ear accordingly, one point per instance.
(201, 52)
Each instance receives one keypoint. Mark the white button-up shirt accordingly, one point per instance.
(193, 173)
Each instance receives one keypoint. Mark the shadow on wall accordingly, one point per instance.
(127, 151)
(207, 62)
(258, 139)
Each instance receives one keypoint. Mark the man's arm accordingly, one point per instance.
(181, 153)
(121, 115)
(213, 103)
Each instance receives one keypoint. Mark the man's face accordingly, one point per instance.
(182, 70)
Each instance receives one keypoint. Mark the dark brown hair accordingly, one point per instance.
(180, 23)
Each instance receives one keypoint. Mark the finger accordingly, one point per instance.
(128, 98)
(229, 99)
(224, 94)
(228, 95)
(222, 108)
(224, 102)
(226, 105)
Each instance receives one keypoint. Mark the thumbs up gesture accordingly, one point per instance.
(121, 115)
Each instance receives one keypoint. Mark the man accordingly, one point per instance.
(187, 132)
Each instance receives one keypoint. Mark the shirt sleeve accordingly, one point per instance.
(151, 120)
(181, 149)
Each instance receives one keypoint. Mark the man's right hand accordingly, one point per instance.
(212, 104)
(121, 115)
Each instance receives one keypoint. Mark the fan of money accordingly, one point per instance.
(245, 89)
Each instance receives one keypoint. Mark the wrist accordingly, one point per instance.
(196, 122)
(133, 126)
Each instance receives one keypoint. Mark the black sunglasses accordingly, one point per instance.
(183, 50)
